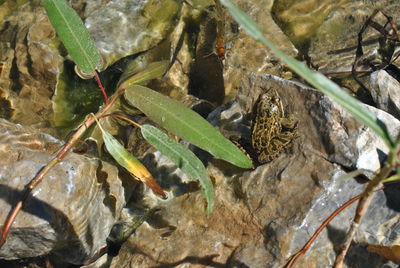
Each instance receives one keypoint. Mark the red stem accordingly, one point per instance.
(292, 261)
(96, 76)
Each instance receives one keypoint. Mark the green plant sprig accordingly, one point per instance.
(185, 159)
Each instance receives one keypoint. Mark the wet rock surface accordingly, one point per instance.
(244, 55)
(344, 23)
(300, 19)
(69, 214)
(31, 65)
(137, 25)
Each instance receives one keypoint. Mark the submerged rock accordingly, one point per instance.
(263, 216)
(300, 19)
(70, 213)
(206, 72)
(332, 48)
(244, 55)
(31, 65)
(126, 27)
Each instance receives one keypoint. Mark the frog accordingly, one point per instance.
(271, 130)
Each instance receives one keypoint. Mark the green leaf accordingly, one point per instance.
(129, 162)
(319, 81)
(183, 158)
(353, 174)
(185, 123)
(73, 34)
(392, 178)
(153, 70)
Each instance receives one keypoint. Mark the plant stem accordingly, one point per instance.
(59, 157)
(123, 118)
(96, 76)
(294, 258)
(363, 204)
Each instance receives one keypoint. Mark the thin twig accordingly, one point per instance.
(60, 155)
(292, 261)
(295, 257)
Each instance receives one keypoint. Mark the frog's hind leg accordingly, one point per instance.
(270, 152)
(289, 123)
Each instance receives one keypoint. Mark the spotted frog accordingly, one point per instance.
(271, 131)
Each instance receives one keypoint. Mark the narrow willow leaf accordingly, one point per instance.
(392, 178)
(185, 123)
(153, 70)
(353, 174)
(183, 158)
(319, 81)
(128, 161)
(73, 34)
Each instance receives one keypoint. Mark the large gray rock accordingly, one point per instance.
(385, 91)
(263, 216)
(70, 213)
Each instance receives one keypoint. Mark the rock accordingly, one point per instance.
(244, 55)
(137, 25)
(206, 79)
(263, 216)
(335, 133)
(70, 213)
(31, 65)
(333, 40)
(385, 91)
(332, 47)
